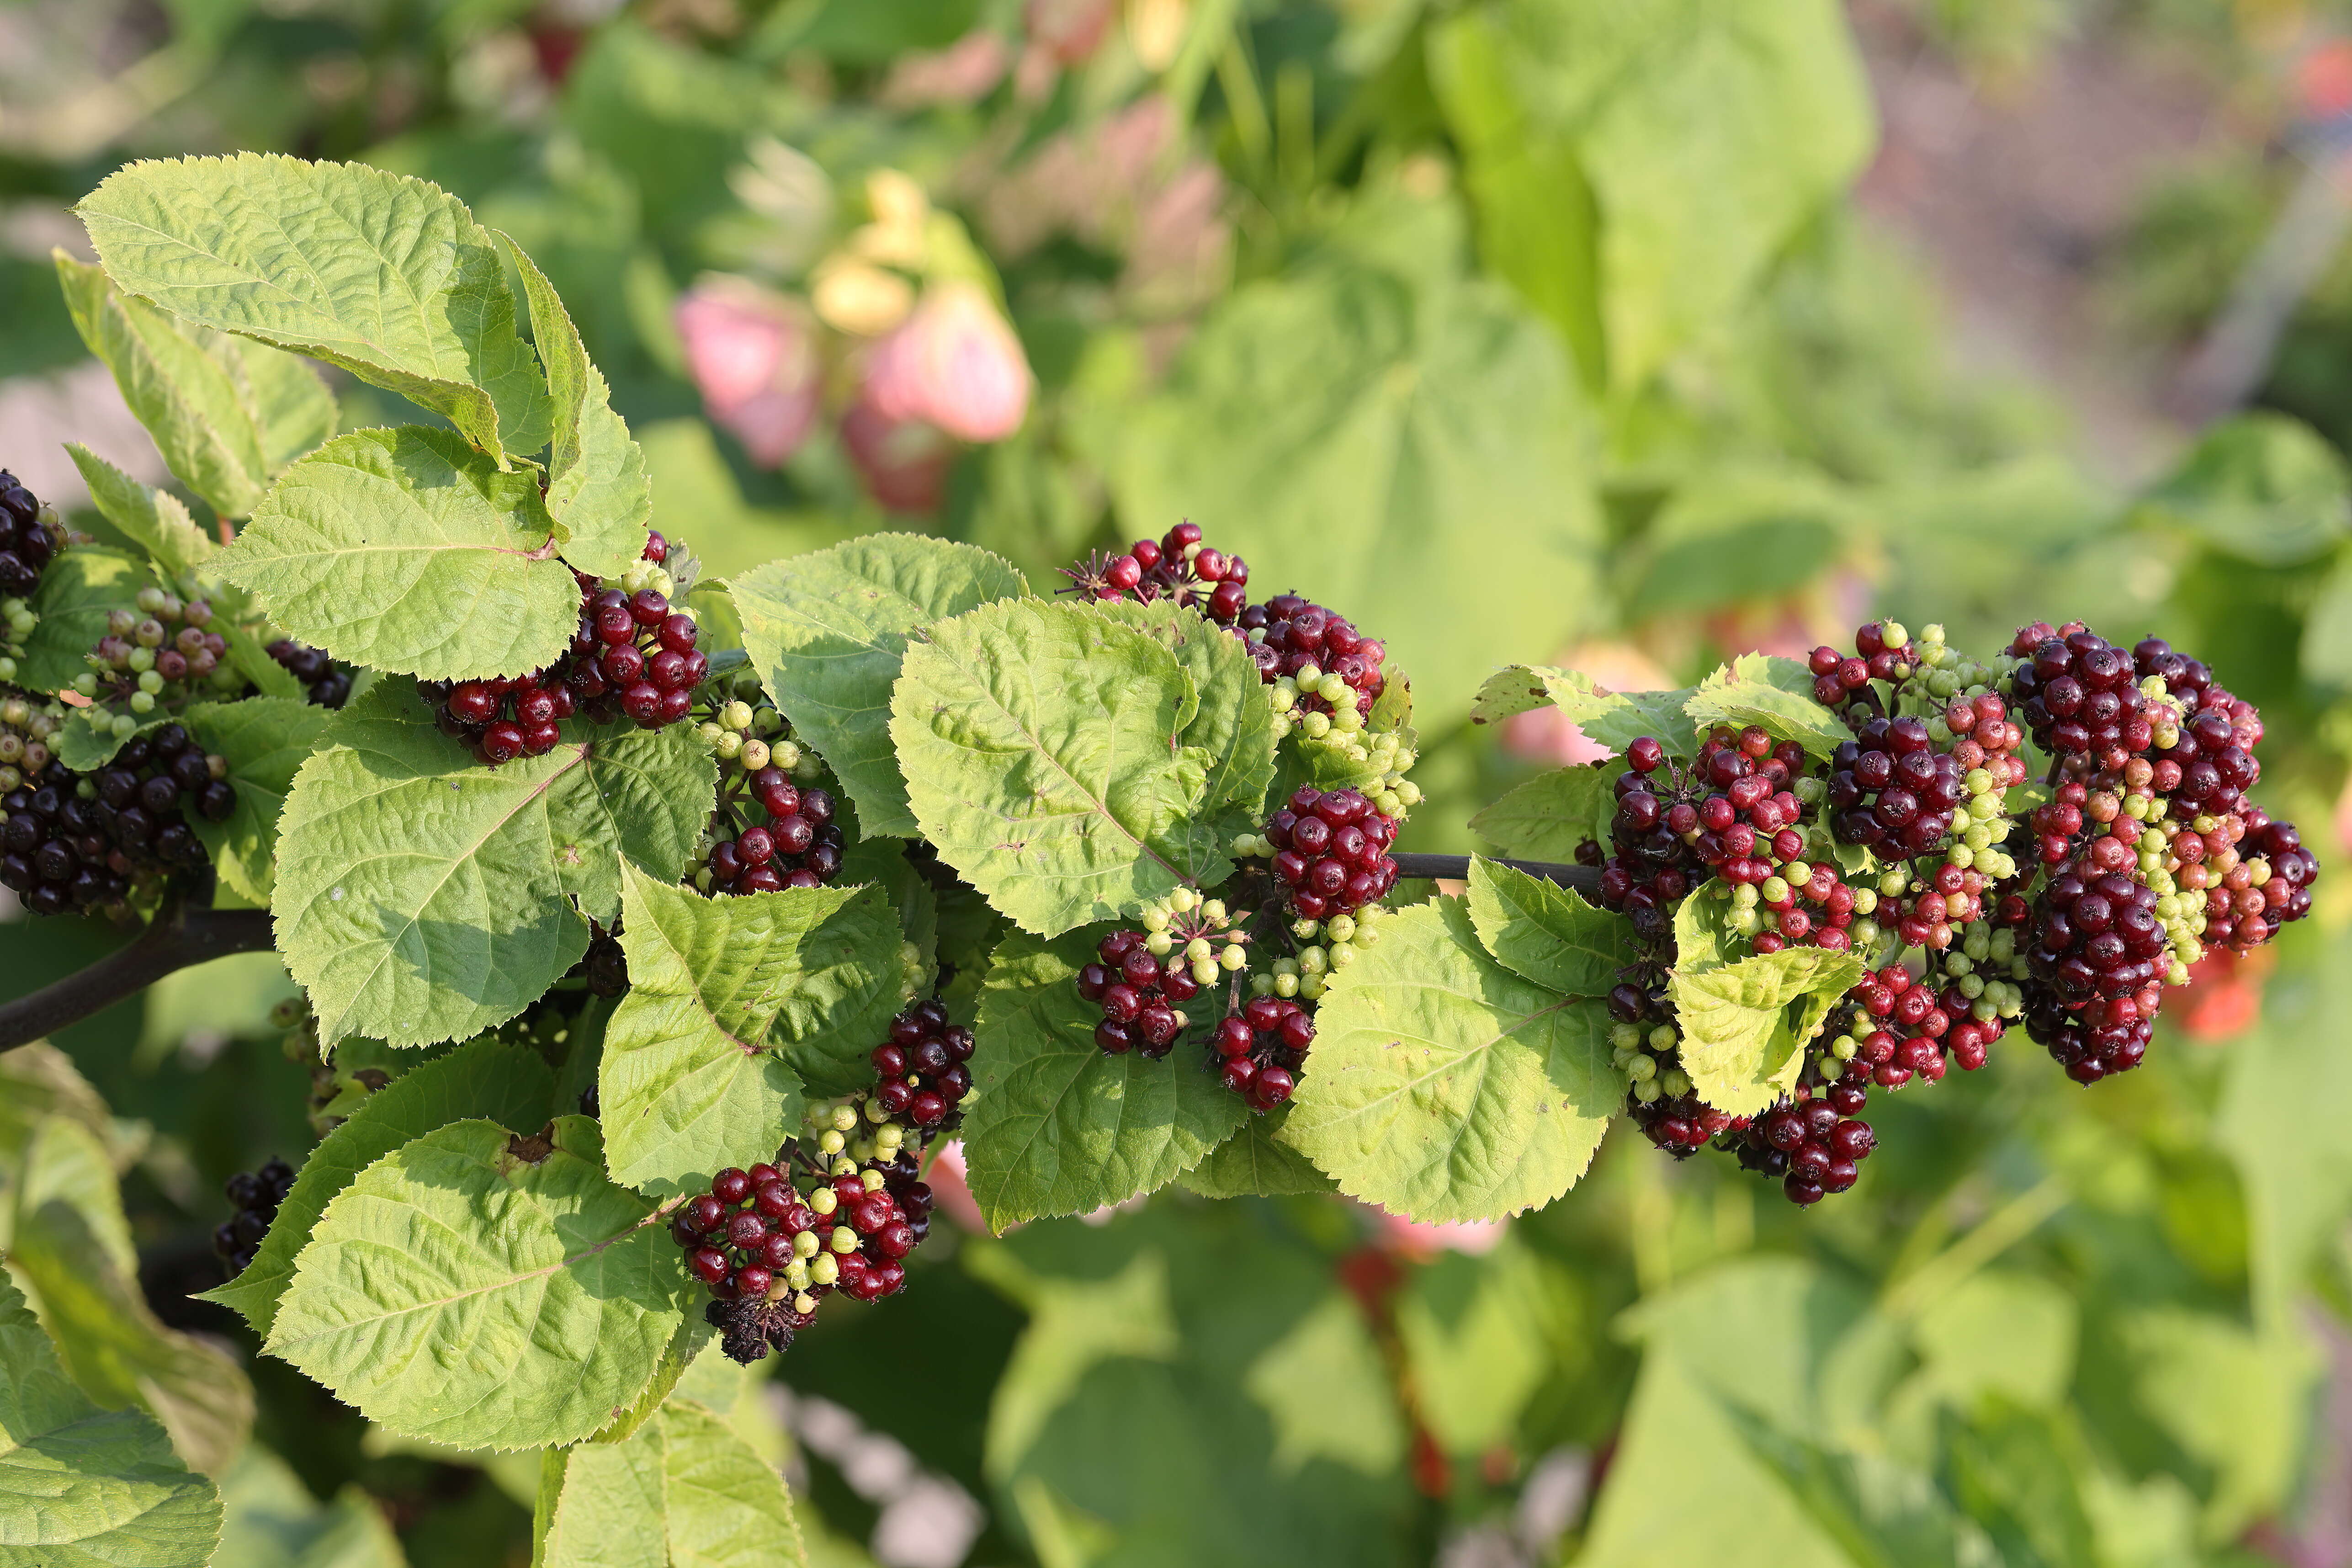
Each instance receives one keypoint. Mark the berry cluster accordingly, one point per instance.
(1139, 994)
(798, 844)
(634, 655)
(29, 728)
(1330, 849)
(1331, 664)
(2080, 695)
(160, 655)
(1882, 652)
(327, 684)
(1178, 566)
(771, 1241)
(921, 1068)
(257, 1194)
(1259, 1050)
(69, 841)
(1809, 1145)
(1675, 823)
(30, 537)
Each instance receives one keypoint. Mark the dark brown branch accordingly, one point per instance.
(177, 938)
(1585, 879)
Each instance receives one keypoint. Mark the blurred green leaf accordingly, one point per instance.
(1413, 452)
(2262, 486)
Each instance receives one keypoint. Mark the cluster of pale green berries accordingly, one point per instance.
(745, 732)
(1200, 928)
(26, 730)
(1290, 690)
(16, 622)
(1641, 1054)
(852, 1132)
(1942, 672)
(161, 649)
(1325, 947)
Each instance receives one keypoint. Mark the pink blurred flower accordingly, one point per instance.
(903, 462)
(1071, 29)
(1422, 1240)
(752, 356)
(951, 1192)
(964, 73)
(954, 363)
(1545, 736)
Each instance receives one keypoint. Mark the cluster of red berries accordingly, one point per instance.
(1177, 566)
(1675, 825)
(1259, 1050)
(1842, 679)
(1288, 634)
(1682, 1124)
(1891, 791)
(770, 1251)
(325, 684)
(2080, 695)
(799, 846)
(921, 1067)
(69, 841)
(1809, 1145)
(1332, 851)
(1139, 993)
(633, 656)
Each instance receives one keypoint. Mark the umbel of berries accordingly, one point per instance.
(67, 841)
(1259, 1051)
(921, 1068)
(796, 844)
(1331, 850)
(323, 682)
(256, 1196)
(1142, 979)
(1178, 566)
(30, 537)
(633, 655)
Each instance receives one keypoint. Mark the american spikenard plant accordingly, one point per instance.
(700, 939)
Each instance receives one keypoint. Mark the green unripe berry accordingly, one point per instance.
(832, 1143)
(825, 1271)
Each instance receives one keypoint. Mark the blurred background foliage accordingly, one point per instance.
(1629, 335)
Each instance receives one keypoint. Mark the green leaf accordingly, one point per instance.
(1236, 723)
(78, 592)
(1056, 1127)
(70, 1247)
(484, 1291)
(264, 739)
(387, 277)
(1615, 719)
(2262, 487)
(1738, 533)
(1042, 752)
(1411, 448)
(827, 633)
(596, 486)
(685, 1492)
(224, 412)
(483, 1080)
(1774, 694)
(86, 741)
(1547, 817)
(1255, 1163)
(1739, 1047)
(422, 897)
(274, 1522)
(1548, 932)
(1444, 1087)
(1703, 938)
(83, 1487)
(1710, 134)
(153, 520)
(1472, 1332)
(733, 1001)
(406, 551)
